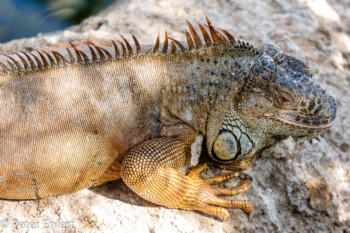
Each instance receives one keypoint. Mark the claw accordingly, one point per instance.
(244, 176)
(249, 215)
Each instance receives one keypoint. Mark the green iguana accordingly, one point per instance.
(82, 113)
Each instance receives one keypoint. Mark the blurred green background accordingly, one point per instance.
(26, 18)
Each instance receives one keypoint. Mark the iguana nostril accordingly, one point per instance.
(330, 109)
(328, 112)
(333, 110)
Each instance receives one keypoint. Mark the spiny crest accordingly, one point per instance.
(66, 54)
(245, 46)
(85, 52)
(213, 39)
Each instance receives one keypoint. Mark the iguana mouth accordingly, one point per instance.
(296, 120)
(304, 122)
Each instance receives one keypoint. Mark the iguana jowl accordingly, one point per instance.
(80, 114)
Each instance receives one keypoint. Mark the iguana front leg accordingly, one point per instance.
(150, 171)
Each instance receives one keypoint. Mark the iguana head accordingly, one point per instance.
(282, 99)
(279, 99)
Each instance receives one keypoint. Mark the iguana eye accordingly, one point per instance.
(283, 100)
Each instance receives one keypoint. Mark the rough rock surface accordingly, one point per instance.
(297, 188)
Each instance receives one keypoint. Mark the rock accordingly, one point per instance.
(297, 188)
(320, 194)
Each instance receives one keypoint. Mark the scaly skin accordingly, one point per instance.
(80, 114)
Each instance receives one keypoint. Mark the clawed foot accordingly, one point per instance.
(205, 196)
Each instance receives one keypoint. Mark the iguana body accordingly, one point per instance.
(81, 114)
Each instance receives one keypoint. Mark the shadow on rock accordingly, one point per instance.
(117, 190)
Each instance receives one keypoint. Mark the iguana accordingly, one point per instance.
(82, 113)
